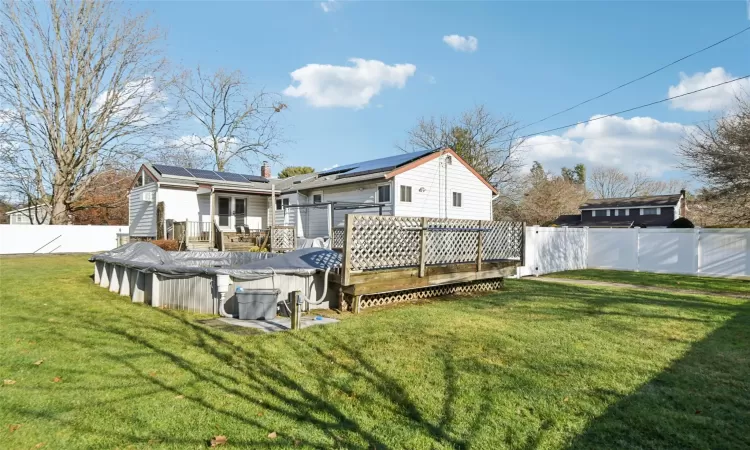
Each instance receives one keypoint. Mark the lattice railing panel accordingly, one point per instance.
(282, 238)
(451, 241)
(369, 301)
(337, 242)
(502, 240)
(379, 242)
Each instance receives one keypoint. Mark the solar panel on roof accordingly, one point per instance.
(377, 165)
(241, 178)
(207, 174)
(172, 170)
(233, 177)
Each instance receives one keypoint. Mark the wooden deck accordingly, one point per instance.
(391, 259)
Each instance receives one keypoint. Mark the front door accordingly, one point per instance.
(239, 212)
(224, 211)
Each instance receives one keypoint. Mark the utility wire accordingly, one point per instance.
(637, 79)
(629, 109)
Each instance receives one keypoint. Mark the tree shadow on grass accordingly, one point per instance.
(701, 401)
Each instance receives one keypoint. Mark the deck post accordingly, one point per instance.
(293, 299)
(357, 304)
(422, 247)
(479, 247)
(346, 265)
(330, 221)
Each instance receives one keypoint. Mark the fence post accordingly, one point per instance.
(293, 299)
(423, 247)
(523, 244)
(347, 250)
(638, 249)
(479, 247)
(697, 249)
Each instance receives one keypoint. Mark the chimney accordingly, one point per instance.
(683, 204)
(265, 170)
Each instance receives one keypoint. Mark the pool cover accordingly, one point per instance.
(148, 257)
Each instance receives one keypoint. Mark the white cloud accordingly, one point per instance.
(638, 144)
(461, 43)
(324, 85)
(716, 99)
(329, 6)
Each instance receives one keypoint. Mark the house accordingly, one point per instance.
(648, 211)
(31, 215)
(434, 183)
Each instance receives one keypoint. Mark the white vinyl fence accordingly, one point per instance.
(40, 239)
(714, 252)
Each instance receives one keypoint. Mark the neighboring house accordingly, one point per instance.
(435, 183)
(650, 211)
(31, 215)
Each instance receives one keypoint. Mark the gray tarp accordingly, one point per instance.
(245, 265)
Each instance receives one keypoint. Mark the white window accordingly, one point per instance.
(650, 211)
(600, 212)
(384, 193)
(147, 196)
(317, 198)
(405, 194)
(457, 199)
(20, 218)
(280, 202)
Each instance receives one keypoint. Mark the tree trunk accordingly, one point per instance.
(59, 212)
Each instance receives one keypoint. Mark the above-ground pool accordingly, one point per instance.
(195, 281)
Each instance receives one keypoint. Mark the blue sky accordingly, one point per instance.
(531, 59)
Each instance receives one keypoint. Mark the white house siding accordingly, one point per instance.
(439, 181)
(316, 223)
(179, 204)
(257, 211)
(141, 213)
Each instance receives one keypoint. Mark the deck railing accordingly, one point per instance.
(380, 242)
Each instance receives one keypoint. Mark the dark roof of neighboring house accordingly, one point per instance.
(568, 220)
(633, 202)
(609, 223)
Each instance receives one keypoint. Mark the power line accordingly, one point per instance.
(629, 109)
(637, 79)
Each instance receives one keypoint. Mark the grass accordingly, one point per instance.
(535, 366)
(669, 281)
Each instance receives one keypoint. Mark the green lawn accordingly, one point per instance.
(670, 281)
(535, 366)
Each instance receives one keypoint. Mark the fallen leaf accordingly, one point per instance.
(218, 440)
(13, 427)
(50, 320)
(39, 445)
(260, 414)
(39, 363)
(566, 399)
(57, 379)
(180, 397)
(152, 374)
(272, 435)
(9, 382)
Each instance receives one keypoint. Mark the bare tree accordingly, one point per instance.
(235, 123)
(549, 197)
(80, 91)
(488, 143)
(610, 182)
(719, 155)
